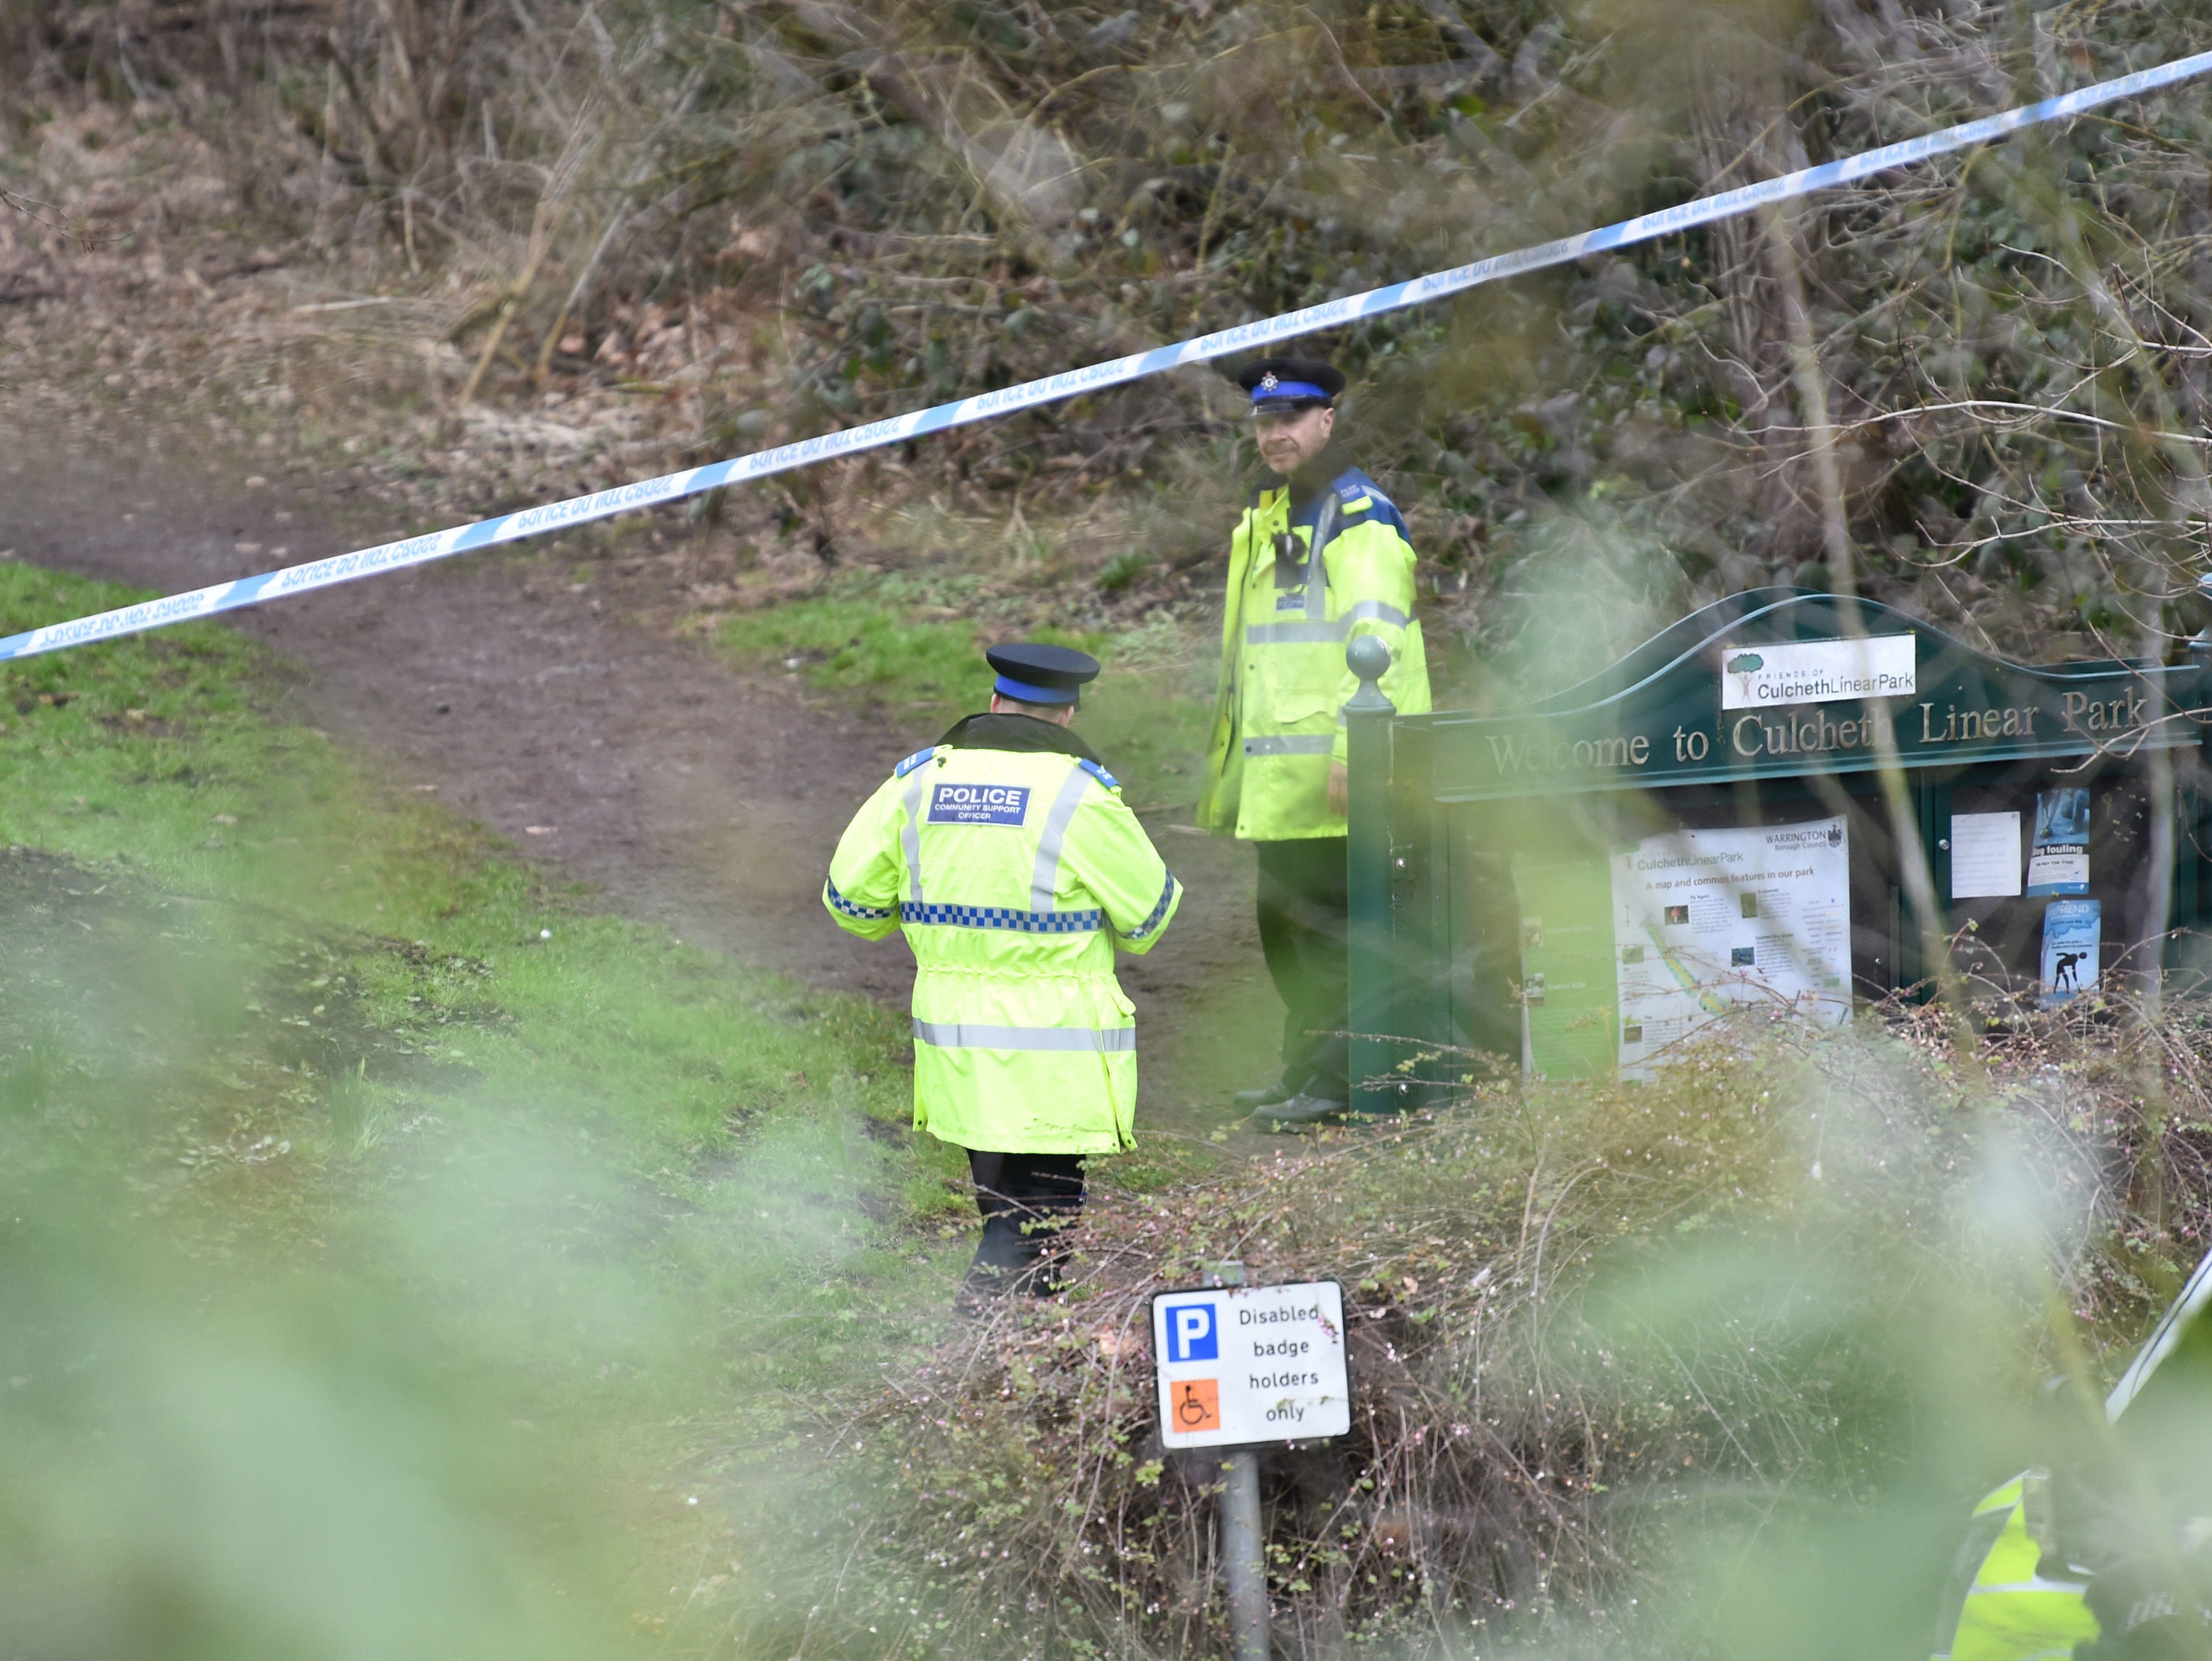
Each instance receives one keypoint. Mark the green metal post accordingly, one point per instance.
(1368, 885)
(1931, 814)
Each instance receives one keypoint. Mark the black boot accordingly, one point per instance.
(1301, 1113)
(1028, 1201)
(1021, 1254)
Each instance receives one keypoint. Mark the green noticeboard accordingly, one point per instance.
(1583, 883)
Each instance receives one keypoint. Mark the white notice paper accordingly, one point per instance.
(1705, 921)
(1984, 856)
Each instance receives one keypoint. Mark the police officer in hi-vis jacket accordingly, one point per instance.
(1320, 556)
(1006, 854)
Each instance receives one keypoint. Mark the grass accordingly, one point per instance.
(856, 647)
(1147, 715)
(375, 1218)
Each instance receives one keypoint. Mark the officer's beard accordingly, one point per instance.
(1317, 475)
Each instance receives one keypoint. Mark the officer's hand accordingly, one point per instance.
(1339, 789)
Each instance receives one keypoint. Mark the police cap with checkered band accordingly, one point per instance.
(1033, 673)
(1290, 383)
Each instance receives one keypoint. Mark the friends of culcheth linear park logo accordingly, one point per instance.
(1744, 665)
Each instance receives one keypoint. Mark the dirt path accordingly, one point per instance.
(688, 794)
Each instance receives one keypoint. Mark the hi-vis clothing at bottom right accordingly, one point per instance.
(2002, 1605)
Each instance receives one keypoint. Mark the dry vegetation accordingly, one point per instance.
(1596, 1332)
(492, 253)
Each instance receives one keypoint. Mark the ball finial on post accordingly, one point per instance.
(1368, 657)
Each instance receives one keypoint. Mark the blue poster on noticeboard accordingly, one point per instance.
(2071, 930)
(2058, 859)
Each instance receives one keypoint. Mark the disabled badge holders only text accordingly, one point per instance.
(1238, 1366)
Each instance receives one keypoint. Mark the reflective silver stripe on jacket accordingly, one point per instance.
(1306, 634)
(1046, 878)
(1292, 743)
(963, 1035)
(916, 794)
(1367, 609)
(1317, 573)
(1295, 634)
(2038, 1584)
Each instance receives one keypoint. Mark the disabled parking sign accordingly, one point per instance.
(1242, 1364)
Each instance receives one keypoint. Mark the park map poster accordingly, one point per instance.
(1622, 957)
(1706, 921)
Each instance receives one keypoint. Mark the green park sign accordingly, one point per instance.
(1586, 882)
(1719, 698)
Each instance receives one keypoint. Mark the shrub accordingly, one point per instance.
(1604, 1338)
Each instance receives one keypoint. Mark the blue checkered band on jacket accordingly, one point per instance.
(1003, 916)
(850, 908)
(1158, 911)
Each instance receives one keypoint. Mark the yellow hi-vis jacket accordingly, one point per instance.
(1278, 720)
(1015, 872)
(2001, 1607)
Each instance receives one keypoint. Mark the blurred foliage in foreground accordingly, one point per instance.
(1714, 1365)
(1979, 381)
(395, 1259)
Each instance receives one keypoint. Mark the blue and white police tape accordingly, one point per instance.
(1246, 337)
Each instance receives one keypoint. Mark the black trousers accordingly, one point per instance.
(1303, 901)
(1027, 1201)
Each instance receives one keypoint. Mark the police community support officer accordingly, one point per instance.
(1006, 853)
(1319, 556)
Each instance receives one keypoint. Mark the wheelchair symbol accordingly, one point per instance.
(1197, 1404)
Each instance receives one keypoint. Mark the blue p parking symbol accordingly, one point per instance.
(1191, 1336)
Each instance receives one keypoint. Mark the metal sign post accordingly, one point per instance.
(1244, 1555)
(1238, 1367)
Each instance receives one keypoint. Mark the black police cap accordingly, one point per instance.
(1290, 381)
(1037, 673)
